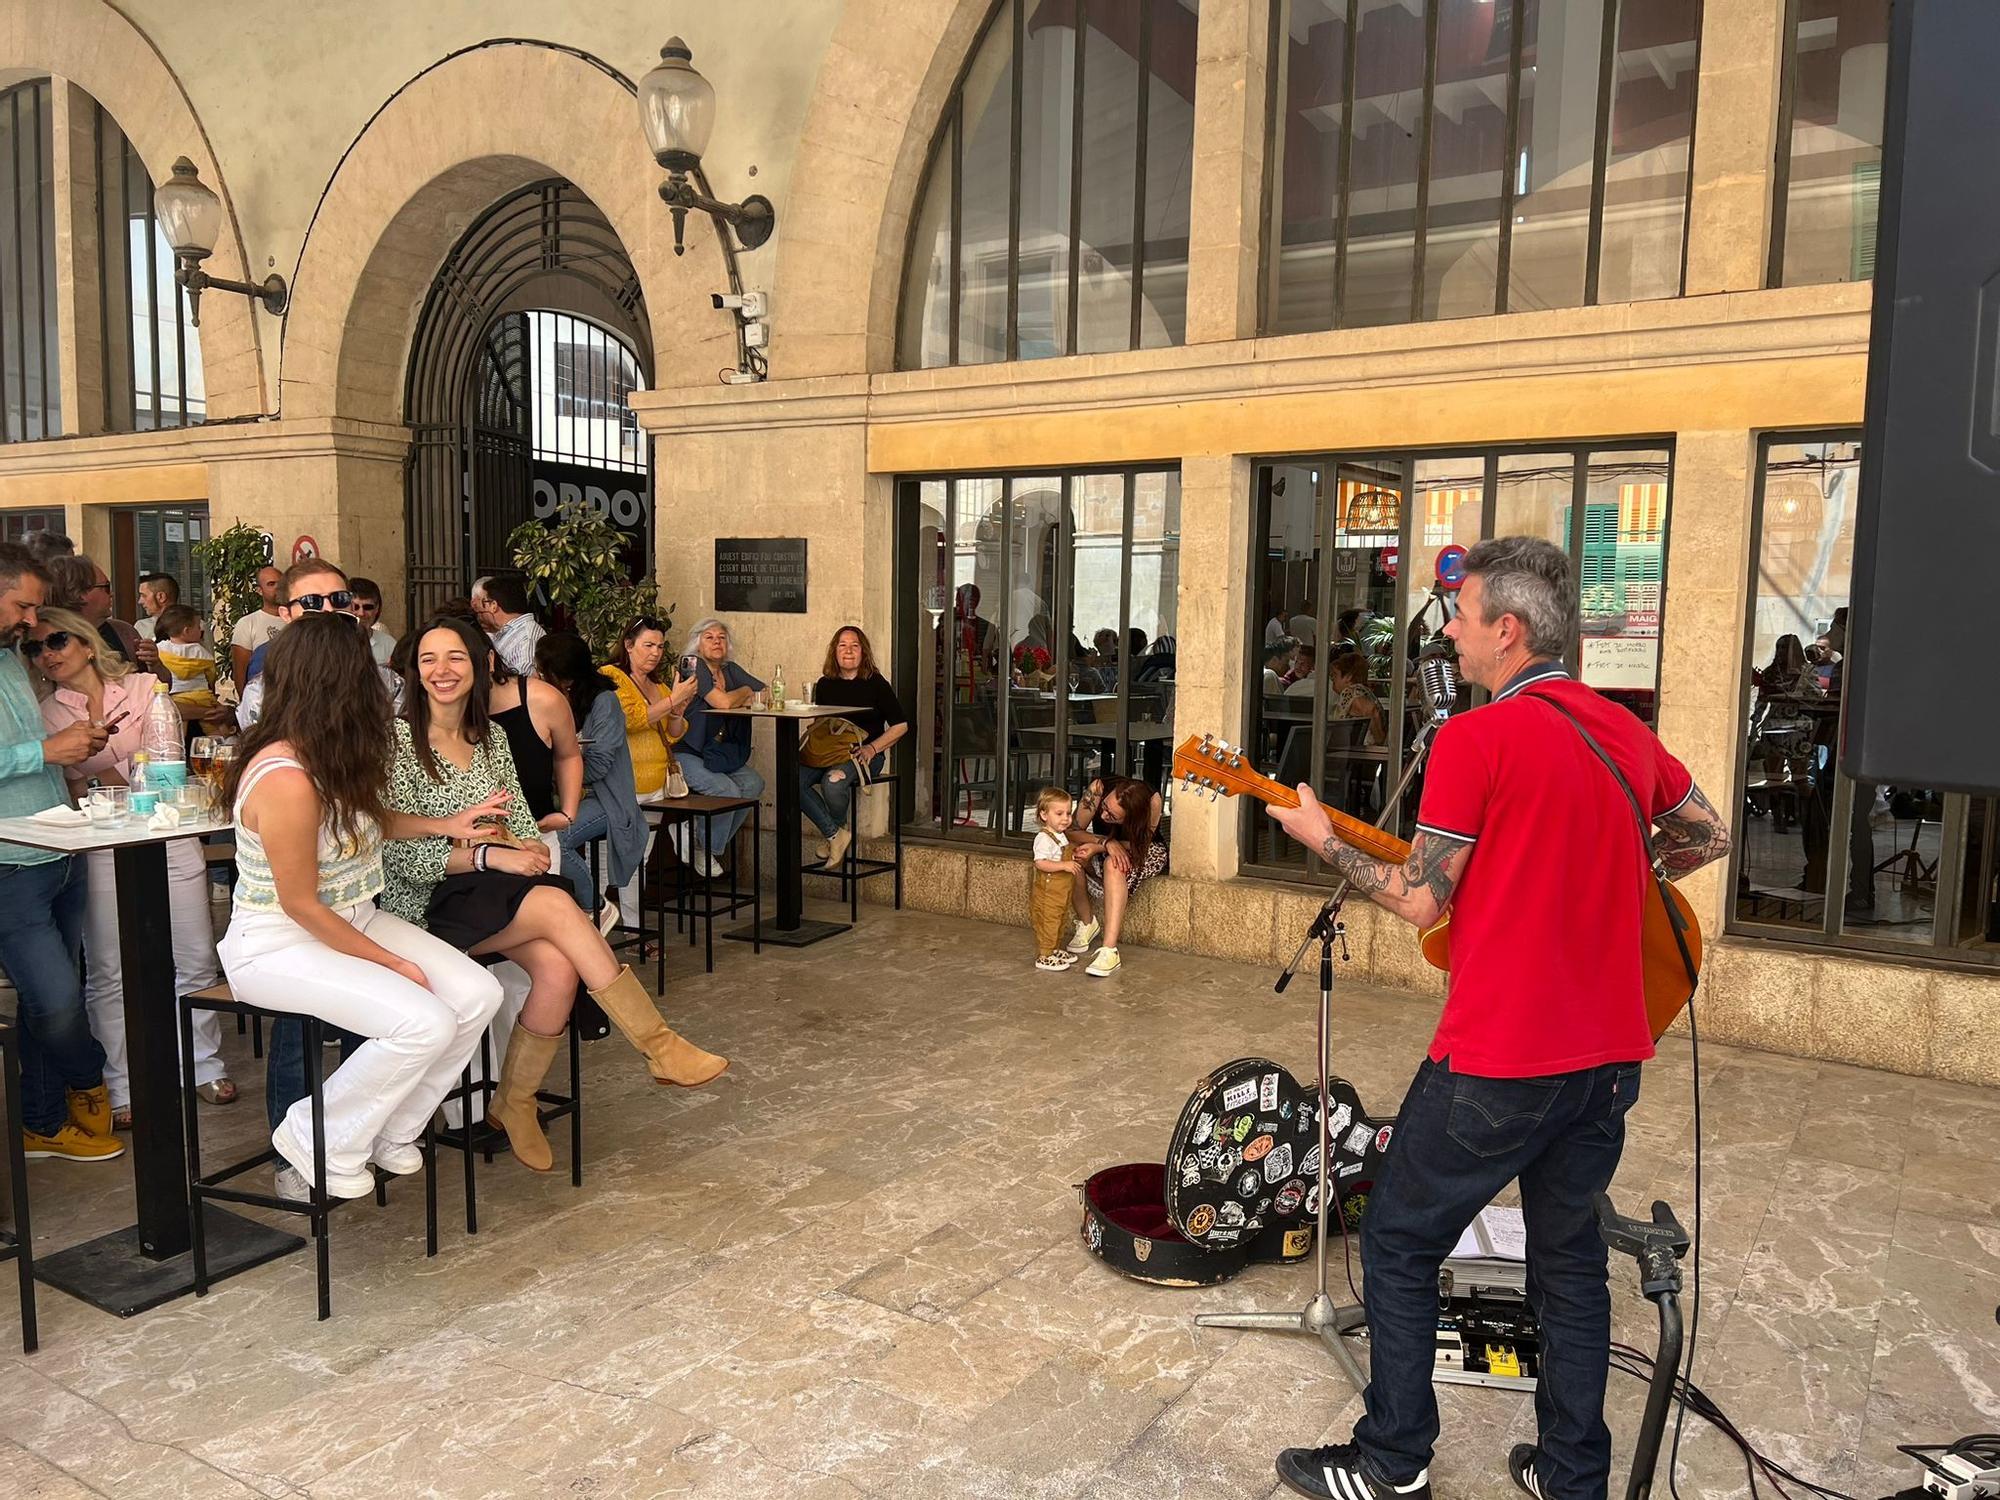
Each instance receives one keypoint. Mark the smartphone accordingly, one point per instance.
(688, 665)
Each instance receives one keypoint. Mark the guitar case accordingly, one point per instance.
(1239, 1185)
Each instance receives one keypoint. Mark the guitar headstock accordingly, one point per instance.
(1208, 766)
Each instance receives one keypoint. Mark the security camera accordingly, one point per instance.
(749, 305)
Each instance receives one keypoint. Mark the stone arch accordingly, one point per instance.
(92, 45)
(876, 104)
(467, 131)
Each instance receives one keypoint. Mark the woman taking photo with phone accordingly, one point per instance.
(85, 683)
(492, 892)
(654, 709)
(305, 935)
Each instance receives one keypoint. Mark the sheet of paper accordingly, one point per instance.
(1505, 1233)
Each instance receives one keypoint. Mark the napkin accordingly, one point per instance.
(62, 817)
(165, 816)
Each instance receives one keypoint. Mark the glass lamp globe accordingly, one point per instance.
(677, 109)
(190, 214)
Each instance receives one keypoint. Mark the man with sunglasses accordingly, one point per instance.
(65, 1108)
(312, 586)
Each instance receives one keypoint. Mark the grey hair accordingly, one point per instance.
(713, 622)
(1530, 579)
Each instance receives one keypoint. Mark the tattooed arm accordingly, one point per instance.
(1417, 890)
(1690, 836)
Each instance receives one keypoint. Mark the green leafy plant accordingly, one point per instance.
(232, 558)
(578, 562)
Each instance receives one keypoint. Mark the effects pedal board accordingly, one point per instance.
(1487, 1335)
(1951, 1476)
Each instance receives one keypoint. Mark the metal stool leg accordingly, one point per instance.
(576, 1101)
(430, 1190)
(24, 1232)
(316, 1092)
(191, 1129)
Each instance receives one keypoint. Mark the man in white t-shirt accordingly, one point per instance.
(257, 627)
(157, 591)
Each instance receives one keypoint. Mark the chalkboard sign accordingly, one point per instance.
(760, 575)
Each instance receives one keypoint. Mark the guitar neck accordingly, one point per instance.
(1370, 840)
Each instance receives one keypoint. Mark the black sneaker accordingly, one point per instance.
(1521, 1465)
(1334, 1473)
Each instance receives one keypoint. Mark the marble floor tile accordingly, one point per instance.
(851, 1269)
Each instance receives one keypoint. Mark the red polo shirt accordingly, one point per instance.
(1545, 959)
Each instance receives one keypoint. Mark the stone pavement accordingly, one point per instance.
(852, 1268)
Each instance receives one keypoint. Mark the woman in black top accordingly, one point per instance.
(850, 679)
(541, 731)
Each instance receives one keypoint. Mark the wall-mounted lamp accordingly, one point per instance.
(677, 110)
(191, 217)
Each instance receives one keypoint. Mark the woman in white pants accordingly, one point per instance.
(84, 681)
(305, 935)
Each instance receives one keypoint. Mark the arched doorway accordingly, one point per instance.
(532, 334)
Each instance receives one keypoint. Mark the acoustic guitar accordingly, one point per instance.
(1208, 765)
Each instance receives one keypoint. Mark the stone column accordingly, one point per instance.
(1230, 90)
(79, 306)
(1735, 137)
(1701, 629)
(1211, 612)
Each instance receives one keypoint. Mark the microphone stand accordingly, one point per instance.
(1322, 1317)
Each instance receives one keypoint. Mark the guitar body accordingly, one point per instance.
(1207, 764)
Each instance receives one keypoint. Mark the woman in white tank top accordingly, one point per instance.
(305, 935)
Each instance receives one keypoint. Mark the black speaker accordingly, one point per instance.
(1921, 683)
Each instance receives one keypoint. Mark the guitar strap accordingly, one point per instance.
(1674, 921)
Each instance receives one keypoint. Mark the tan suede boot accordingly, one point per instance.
(513, 1104)
(671, 1056)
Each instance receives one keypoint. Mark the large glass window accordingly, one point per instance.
(1041, 638)
(30, 390)
(1819, 857)
(1452, 158)
(152, 350)
(1347, 547)
(1829, 168)
(1054, 216)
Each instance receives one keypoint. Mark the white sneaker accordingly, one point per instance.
(1105, 963)
(291, 1183)
(710, 865)
(399, 1158)
(607, 916)
(1085, 935)
(338, 1184)
(679, 834)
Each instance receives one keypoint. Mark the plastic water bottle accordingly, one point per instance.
(163, 742)
(145, 790)
(778, 691)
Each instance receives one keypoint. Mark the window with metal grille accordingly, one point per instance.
(151, 348)
(30, 388)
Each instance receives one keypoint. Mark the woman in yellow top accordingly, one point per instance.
(654, 724)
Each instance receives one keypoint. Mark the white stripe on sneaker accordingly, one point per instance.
(1415, 1484)
(1347, 1486)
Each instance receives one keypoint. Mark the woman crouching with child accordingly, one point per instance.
(493, 893)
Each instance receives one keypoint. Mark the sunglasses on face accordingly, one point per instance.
(55, 640)
(339, 599)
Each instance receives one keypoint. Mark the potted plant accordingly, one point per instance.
(232, 559)
(577, 561)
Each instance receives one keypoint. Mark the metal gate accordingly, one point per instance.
(469, 400)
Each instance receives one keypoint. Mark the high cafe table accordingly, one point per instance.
(792, 929)
(145, 1264)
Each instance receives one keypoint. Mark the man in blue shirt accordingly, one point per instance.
(65, 1109)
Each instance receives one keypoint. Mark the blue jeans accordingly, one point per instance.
(591, 823)
(827, 792)
(41, 943)
(1459, 1140)
(740, 783)
(285, 1064)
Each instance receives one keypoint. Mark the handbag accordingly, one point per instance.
(829, 743)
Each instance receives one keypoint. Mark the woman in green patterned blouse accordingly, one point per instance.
(498, 895)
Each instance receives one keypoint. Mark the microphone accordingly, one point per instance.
(1439, 675)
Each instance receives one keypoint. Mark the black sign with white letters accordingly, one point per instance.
(760, 575)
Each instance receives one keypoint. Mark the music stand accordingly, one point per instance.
(1323, 1318)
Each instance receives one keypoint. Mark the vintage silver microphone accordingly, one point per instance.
(1438, 673)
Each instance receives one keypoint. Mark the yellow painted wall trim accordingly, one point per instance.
(1747, 396)
(120, 486)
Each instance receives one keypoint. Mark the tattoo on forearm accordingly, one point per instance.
(1427, 869)
(1691, 836)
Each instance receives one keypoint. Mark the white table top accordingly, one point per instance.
(83, 838)
(793, 711)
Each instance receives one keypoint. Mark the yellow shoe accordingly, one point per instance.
(90, 1110)
(71, 1143)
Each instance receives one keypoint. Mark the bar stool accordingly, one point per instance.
(203, 1187)
(476, 1138)
(712, 902)
(853, 868)
(19, 1246)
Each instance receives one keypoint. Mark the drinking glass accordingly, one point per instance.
(110, 806)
